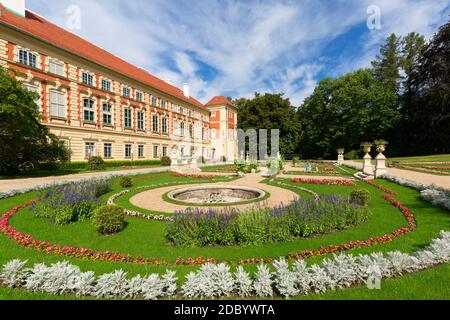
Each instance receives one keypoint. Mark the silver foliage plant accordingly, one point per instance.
(217, 280)
(431, 193)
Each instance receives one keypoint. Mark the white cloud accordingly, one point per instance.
(239, 47)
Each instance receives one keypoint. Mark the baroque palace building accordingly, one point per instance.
(100, 105)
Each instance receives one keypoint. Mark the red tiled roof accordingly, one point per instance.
(47, 31)
(220, 100)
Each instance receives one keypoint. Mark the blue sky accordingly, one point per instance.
(236, 48)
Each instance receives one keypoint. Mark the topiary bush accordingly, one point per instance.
(360, 197)
(166, 161)
(126, 182)
(96, 163)
(108, 219)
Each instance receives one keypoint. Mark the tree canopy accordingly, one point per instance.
(345, 111)
(24, 142)
(271, 111)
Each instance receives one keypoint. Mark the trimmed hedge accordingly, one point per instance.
(83, 165)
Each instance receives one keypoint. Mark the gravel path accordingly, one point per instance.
(13, 184)
(152, 199)
(442, 181)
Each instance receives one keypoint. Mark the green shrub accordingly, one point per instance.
(82, 211)
(83, 165)
(360, 197)
(64, 216)
(102, 187)
(96, 163)
(352, 155)
(166, 161)
(126, 182)
(108, 219)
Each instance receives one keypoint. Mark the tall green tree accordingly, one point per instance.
(24, 142)
(387, 64)
(429, 116)
(271, 111)
(346, 111)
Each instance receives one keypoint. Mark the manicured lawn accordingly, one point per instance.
(146, 238)
(65, 172)
(431, 158)
(228, 168)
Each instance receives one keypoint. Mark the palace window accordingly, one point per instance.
(191, 130)
(140, 120)
(106, 85)
(56, 67)
(27, 58)
(181, 110)
(155, 123)
(141, 151)
(126, 92)
(154, 101)
(32, 88)
(57, 104)
(163, 104)
(182, 129)
(128, 151)
(139, 96)
(87, 79)
(164, 122)
(155, 152)
(89, 149)
(107, 150)
(164, 151)
(88, 110)
(127, 118)
(107, 114)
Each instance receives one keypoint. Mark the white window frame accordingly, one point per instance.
(87, 78)
(140, 121)
(164, 125)
(107, 146)
(89, 109)
(28, 58)
(106, 85)
(154, 101)
(58, 105)
(164, 151)
(89, 149)
(58, 67)
(127, 118)
(141, 151)
(126, 92)
(107, 111)
(139, 96)
(182, 129)
(155, 123)
(155, 152)
(128, 149)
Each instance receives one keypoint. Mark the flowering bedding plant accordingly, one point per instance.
(218, 281)
(341, 182)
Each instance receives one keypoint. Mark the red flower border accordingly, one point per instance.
(384, 189)
(26, 240)
(328, 182)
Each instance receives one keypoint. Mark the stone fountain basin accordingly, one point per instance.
(216, 194)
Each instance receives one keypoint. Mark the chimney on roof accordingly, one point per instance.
(16, 6)
(186, 90)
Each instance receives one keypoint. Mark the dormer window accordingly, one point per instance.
(27, 58)
(87, 79)
(126, 92)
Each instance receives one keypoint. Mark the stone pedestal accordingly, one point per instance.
(367, 166)
(380, 168)
(340, 160)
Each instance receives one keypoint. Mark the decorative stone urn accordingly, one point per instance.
(380, 168)
(340, 161)
(367, 166)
